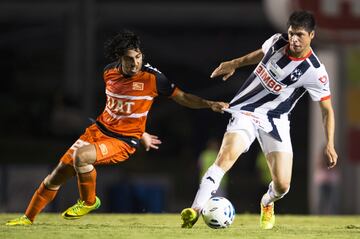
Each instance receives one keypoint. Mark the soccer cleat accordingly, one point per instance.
(267, 217)
(79, 209)
(189, 217)
(23, 220)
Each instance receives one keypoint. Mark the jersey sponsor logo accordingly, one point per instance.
(115, 116)
(119, 106)
(138, 86)
(268, 81)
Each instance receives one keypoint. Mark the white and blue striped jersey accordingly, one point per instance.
(278, 82)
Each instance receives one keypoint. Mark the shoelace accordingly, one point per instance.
(268, 212)
(80, 204)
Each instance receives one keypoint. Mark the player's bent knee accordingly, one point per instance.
(82, 163)
(85, 155)
(81, 158)
(81, 167)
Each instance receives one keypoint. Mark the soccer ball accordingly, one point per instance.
(218, 212)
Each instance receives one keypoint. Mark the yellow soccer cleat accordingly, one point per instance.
(267, 217)
(189, 217)
(79, 209)
(23, 220)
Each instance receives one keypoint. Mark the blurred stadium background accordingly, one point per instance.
(51, 65)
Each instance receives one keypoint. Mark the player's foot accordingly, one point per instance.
(267, 217)
(23, 220)
(79, 209)
(189, 217)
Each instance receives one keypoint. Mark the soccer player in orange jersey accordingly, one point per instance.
(131, 88)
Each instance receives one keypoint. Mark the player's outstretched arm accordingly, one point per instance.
(329, 126)
(150, 141)
(227, 68)
(196, 102)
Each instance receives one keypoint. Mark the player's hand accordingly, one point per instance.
(150, 141)
(218, 106)
(226, 69)
(331, 156)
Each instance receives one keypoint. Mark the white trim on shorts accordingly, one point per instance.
(251, 126)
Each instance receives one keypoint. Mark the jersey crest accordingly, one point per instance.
(295, 75)
(138, 86)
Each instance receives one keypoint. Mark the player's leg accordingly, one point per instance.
(238, 138)
(280, 165)
(232, 146)
(45, 193)
(279, 159)
(82, 158)
(95, 149)
(85, 157)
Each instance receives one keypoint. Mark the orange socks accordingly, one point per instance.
(43, 196)
(40, 199)
(87, 186)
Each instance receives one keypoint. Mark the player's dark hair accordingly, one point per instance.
(116, 46)
(302, 19)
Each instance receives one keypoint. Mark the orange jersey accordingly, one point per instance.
(129, 98)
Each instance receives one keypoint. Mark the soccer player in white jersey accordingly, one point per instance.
(286, 69)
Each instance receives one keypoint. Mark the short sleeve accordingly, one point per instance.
(319, 85)
(164, 86)
(269, 42)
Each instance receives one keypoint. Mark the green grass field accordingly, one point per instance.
(148, 226)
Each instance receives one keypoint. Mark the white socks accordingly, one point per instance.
(208, 186)
(271, 195)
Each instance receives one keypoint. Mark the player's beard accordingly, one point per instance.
(133, 70)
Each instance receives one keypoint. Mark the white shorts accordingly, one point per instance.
(251, 126)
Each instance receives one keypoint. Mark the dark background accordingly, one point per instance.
(51, 82)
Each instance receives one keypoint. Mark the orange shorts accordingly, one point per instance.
(108, 150)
